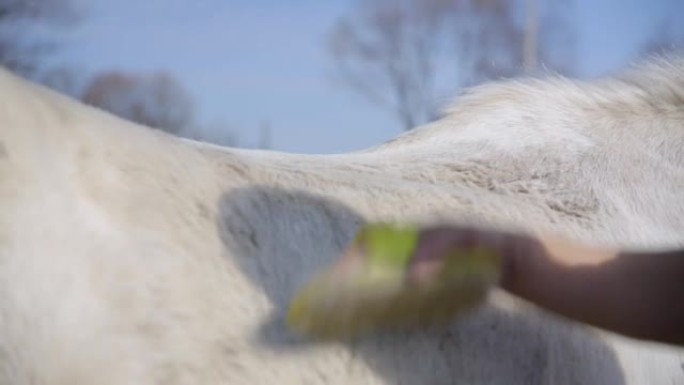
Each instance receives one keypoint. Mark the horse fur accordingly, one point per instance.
(128, 256)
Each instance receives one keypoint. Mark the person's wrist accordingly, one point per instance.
(518, 253)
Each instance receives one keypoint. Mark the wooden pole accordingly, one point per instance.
(531, 37)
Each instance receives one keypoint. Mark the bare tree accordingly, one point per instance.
(387, 51)
(20, 48)
(488, 41)
(393, 52)
(156, 100)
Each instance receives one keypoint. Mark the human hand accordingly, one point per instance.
(435, 243)
(399, 276)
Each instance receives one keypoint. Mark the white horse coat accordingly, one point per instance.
(128, 256)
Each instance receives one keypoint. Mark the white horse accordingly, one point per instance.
(128, 256)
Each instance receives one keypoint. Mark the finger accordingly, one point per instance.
(430, 253)
(425, 271)
(436, 245)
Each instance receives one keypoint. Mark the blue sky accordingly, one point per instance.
(247, 62)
